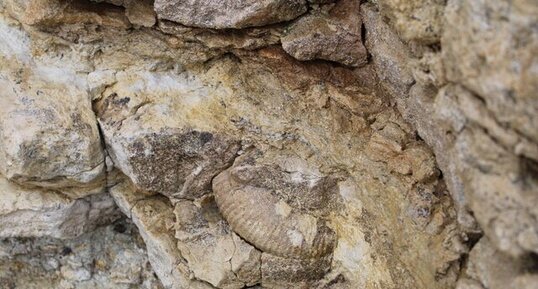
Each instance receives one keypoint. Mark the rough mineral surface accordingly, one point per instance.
(269, 144)
(229, 13)
(333, 35)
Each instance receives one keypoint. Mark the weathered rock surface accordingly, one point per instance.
(154, 218)
(490, 48)
(229, 13)
(176, 157)
(214, 253)
(242, 165)
(111, 257)
(27, 212)
(389, 53)
(415, 20)
(475, 147)
(49, 134)
(488, 268)
(333, 35)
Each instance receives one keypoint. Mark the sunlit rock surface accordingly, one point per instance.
(268, 144)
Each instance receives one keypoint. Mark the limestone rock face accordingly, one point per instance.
(464, 122)
(43, 213)
(215, 254)
(154, 218)
(174, 156)
(389, 53)
(484, 270)
(49, 132)
(112, 257)
(495, 59)
(268, 144)
(229, 13)
(334, 35)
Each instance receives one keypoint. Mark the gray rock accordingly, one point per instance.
(389, 54)
(229, 13)
(37, 213)
(333, 35)
(49, 134)
(112, 257)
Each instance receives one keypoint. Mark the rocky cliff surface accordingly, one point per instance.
(269, 144)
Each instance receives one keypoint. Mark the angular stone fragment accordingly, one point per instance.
(229, 13)
(111, 257)
(58, 12)
(154, 218)
(139, 12)
(390, 55)
(49, 134)
(494, 270)
(175, 156)
(491, 48)
(214, 253)
(36, 12)
(333, 36)
(36, 213)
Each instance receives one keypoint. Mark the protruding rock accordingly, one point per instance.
(49, 131)
(490, 47)
(36, 213)
(389, 54)
(175, 156)
(154, 217)
(333, 36)
(255, 200)
(494, 270)
(229, 13)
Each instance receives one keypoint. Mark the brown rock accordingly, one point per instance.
(333, 36)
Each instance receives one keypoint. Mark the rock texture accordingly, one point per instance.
(268, 144)
(38, 213)
(110, 257)
(229, 13)
(333, 35)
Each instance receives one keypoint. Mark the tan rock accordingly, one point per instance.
(154, 218)
(417, 20)
(214, 253)
(172, 157)
(334, 35)
(26, 212)
(49, 132)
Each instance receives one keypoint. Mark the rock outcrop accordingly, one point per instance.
(268, 144)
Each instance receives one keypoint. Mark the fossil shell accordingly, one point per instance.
(268, 223)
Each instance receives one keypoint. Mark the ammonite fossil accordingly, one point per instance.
(261, 218)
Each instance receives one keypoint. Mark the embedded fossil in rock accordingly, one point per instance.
(269, 223)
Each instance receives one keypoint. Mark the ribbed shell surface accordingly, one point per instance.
(251, 213)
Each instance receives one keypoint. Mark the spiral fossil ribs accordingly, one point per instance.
(251, 213)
